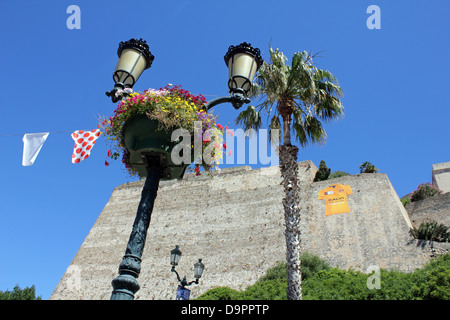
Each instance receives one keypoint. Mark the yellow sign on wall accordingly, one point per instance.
(335, 197)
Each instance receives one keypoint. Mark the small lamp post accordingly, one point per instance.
(182, 292)
(134, 57)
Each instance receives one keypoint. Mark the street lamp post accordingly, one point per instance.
(135, 57)
(182, 292)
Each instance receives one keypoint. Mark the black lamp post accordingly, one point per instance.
(134, 57)
(175, 256)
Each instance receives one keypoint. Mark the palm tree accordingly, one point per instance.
(301, 95)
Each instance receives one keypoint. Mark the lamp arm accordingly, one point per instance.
(194, 281)
(178, 276)
(237, 99)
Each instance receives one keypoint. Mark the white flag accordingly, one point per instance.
(32, 144)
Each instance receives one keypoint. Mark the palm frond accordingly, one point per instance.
(314, 92)
(249, 118)
(308, 129)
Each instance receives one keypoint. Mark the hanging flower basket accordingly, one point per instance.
(143, 136)
(143, 123)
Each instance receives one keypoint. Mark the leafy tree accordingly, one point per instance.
(29, 293)
(300, 95)
(323, 173)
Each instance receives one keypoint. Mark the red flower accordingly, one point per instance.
(109, 153)
(219, 126)
(106, 163)
(225, 146)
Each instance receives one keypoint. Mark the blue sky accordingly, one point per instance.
(395, 82)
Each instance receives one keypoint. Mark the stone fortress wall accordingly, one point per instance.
(235, 223)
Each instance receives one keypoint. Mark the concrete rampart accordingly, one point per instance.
(235, 223)
(435, 208)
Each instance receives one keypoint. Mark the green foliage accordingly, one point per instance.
(338, 174)
(29, 293)
(337, 284)
(367, 167)
(300, 92)
(405, 201)
(323, 173)
(221, 293)
(274, 289)
(312, 264)
(321, 282)
(431, 230)
(433, 281)
(423, 191)
(272, 285)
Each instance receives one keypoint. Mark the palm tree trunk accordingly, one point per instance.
(291, 201)
(287, 131)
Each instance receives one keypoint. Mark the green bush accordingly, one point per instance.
(431, 230)
(221, 293)
(367, 167)
(274, 289)
(322, 282)
(338, 174)
(425, 190)
(405, 201)
(272, 285)
(433, 281)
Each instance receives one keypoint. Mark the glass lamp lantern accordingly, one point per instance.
(175, 256)
(198, 269)
(243, 61)
(134, 58)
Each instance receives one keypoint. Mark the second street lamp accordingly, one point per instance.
(182, 292)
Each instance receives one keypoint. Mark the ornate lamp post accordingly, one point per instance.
(182, 292)
(134, 57)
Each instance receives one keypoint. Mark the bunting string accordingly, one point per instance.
(33, 142)
(84, 143)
